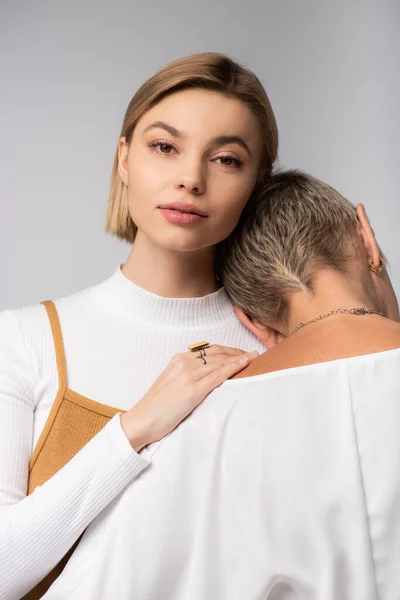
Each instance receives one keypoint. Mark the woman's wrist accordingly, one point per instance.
(135, 431)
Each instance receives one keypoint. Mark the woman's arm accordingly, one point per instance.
(36, 531)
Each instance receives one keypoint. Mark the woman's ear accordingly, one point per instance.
(123, 149)
(367, 235)
(267, 335)
(381, 280)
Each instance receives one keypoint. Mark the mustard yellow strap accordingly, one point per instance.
(58, 343)
(62, 380)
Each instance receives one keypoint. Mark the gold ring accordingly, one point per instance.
(203, 359)
(373, 268)
(198, 346)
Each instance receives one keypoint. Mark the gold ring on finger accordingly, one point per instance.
(202, 358)
(198, 346)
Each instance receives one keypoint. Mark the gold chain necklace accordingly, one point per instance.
(349, 311)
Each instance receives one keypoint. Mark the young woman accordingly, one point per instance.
(77, 402)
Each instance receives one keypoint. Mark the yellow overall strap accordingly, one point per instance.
(62, 381)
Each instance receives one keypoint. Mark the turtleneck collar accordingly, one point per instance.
(129, 301)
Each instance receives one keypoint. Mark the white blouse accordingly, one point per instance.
(279, 486)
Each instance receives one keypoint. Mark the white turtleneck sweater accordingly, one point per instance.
(118, 338)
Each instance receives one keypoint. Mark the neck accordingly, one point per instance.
(331, 290)
(171, 273)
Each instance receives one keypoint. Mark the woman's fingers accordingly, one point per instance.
(212, 350)
(216, 362)
(226, 350)
(193, 366)
(217, 375)
(208, 352)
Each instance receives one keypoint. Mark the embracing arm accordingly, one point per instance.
(36, 531)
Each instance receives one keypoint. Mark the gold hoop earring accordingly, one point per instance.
(373, 268)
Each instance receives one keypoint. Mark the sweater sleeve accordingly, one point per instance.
(37, 530)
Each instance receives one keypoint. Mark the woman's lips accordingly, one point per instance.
(180, 218)
(182, 214)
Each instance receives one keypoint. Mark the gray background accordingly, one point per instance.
(69, 69)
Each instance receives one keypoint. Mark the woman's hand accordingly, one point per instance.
(179, 389)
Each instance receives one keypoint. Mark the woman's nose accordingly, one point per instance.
(192, 179)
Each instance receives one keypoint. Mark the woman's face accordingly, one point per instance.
(190, 168)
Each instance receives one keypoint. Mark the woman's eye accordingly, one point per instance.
(163, 147)
(229, 161)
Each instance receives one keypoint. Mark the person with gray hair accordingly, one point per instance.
(285, 482)
(301, 235)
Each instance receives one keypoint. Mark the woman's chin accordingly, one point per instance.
(183, 242)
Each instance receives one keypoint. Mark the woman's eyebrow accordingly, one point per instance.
(218, 141)
(162, 125)
(231, 139)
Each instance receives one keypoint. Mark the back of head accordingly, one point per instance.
(296, 227)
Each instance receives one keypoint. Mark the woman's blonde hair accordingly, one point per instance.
(297, 226)
(209, 71)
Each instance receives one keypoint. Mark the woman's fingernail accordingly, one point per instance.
(243, 360)
(253, 353)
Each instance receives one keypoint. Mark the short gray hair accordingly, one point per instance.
(295, 227)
